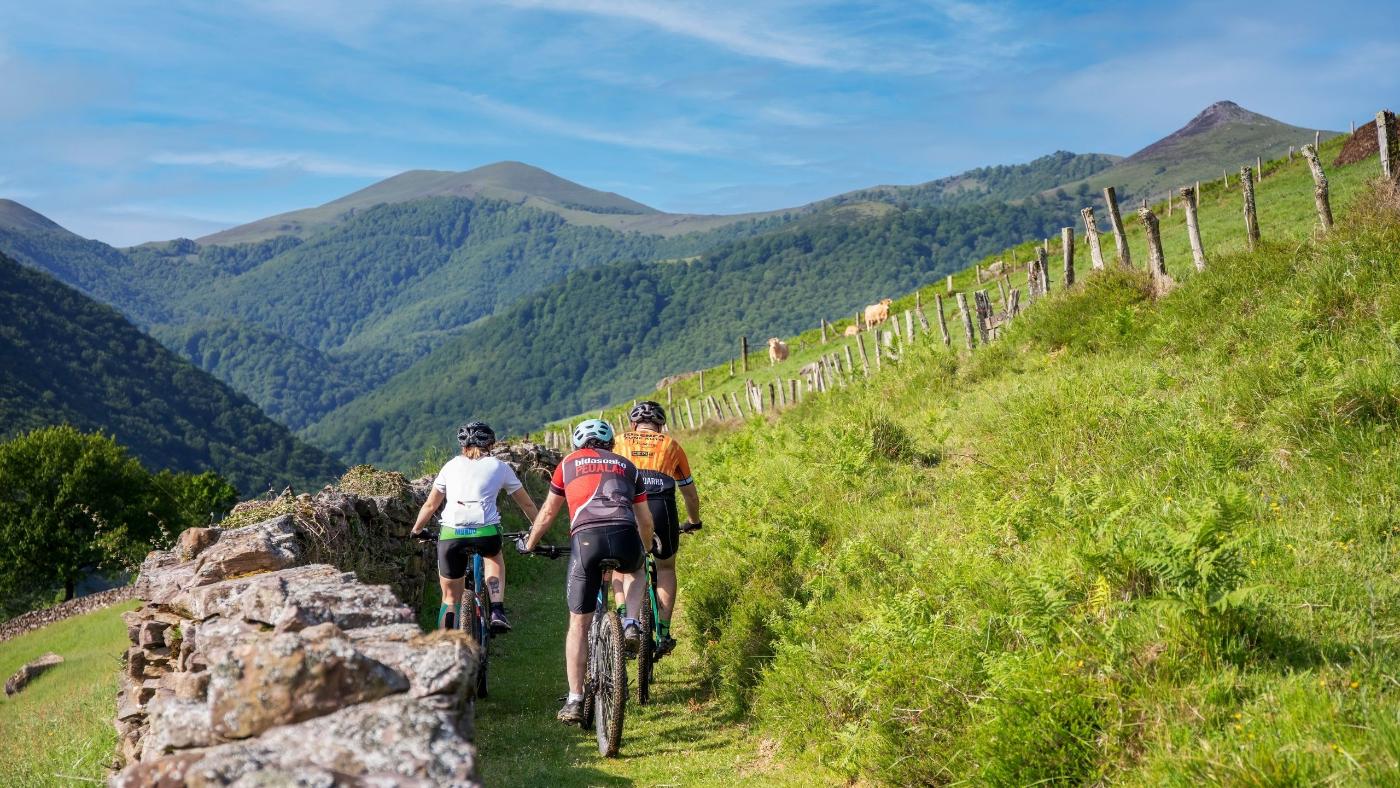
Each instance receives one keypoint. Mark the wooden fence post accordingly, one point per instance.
(1001, 287)
(1226, 173)
(1251, 220)
(919, 312)
(702, 381)
(668, 395)
(850, 362)
(823, 332)
(1120, 238)
(864, 358)
(744, 351)
(1388, 145)
(773, 396)
(1067, 241)
(1013, 305)
(942, 321)
(879, 338)
(1193, 227)
(1324, 204)
(1170, 194)
(909, 326)
(950, 283)
(1156, 260)
(689, 414)
(967, 321)
(984, 313)
(794, 396)
(734, 399)
(1259, 166)
(1317, 139)
(1033, 280)
(1042, 258)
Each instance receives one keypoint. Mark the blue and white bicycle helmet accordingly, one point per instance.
(592, 428)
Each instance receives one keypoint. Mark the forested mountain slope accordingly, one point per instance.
(607, 331)
(69, 359)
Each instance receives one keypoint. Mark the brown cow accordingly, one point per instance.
(852, 330)
(875, 314)
(777, 350)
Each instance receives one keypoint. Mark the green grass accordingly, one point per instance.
(58, 731)
(1134, 542)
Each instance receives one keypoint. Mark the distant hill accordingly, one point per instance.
(69, 359)
(510, 181)
(1001, 182)
(14, 216)
(1222, 136)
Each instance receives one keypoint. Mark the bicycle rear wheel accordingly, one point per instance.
(646, 655)
(611, 688)
(477, 625)
(590, 680)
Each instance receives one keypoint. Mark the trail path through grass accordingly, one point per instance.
(680, 739)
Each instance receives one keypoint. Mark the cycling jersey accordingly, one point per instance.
(661, 460)
(600, 488)
(470, 487)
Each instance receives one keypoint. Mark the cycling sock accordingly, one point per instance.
(665, 627)
(498, 607)
(574, 697)
(447, 616)
(630, 622)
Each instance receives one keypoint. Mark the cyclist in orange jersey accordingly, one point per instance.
(665, 469)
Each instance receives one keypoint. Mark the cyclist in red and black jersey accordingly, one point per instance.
(608, 519)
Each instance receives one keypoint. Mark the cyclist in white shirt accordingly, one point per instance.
(465, 490)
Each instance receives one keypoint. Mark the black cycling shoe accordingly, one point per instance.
(571, 713)
(499, 624)
(666, 646)
(631, 640)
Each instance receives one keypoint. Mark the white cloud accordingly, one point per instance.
(788, 38)
(274, 160)
(673, 137)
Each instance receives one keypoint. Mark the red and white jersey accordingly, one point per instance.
(600, 488)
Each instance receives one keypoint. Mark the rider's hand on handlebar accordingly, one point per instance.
(520, 546)
(424, 535)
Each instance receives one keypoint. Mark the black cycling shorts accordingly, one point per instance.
(666, 520)
(455, 555)
(589, 548)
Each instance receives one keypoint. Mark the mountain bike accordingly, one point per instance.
(478, 623)
(650, 622)
(605, 680)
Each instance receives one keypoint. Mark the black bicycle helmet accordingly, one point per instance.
(647, 412)
(478, 433)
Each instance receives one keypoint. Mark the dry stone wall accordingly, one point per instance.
(256, 659)
(35, 619)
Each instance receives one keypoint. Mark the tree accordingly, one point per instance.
(71, 503)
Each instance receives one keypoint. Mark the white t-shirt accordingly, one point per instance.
(471, 486)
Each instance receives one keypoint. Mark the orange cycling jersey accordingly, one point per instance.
(661, 460)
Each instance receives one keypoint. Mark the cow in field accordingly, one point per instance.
(777, 350)
(875, 314)
(852, 330)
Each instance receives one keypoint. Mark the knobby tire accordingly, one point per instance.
(611, 689)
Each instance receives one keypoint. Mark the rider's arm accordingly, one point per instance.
(526, 504)
(645, 526)
(430, 507)
(543, 519)
(692, 503)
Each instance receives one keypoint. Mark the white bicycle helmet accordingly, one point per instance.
(592, 428)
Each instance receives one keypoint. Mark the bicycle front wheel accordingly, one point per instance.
(610, 691)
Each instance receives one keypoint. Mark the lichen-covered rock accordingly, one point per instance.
(31, 669)
(265, 547)
(193, 541)
(289, 677)
(397, 738)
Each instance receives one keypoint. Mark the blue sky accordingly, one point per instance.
(138, 121)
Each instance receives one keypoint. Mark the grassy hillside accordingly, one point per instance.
(1001, 182)
(1134, 542)
(58, 731)
(69, 359)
